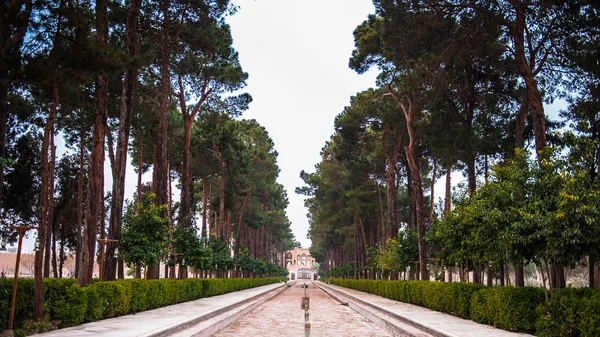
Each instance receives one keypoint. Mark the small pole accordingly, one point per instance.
(103, 242)
(305, 303)
(21, 230)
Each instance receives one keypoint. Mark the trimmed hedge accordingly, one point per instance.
(570, 312)
(573, 312)
(67, 304)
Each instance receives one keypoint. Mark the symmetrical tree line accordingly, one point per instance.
(155, 83)
(462, 86)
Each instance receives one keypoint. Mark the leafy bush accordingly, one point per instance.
(572, 312)
(67, 304)
(507, 308)
(23, 303)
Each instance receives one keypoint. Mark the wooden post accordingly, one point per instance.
(21, 230)
(103, 242)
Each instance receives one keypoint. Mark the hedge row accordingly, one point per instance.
(570, 312)
(67, 304)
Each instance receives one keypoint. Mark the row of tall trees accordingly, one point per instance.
(155, 82)
(461, 85)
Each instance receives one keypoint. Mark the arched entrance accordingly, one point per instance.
(304, 274)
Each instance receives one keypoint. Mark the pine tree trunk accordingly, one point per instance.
(45, 199)
(3, 120)
(432, 201)
(80, 179)
(52, 229)
(519, 274)
(381, 236)
(54, 259)
(228, 230)
(417, 188)
(448, 196)
(50, 205)
(413, 164)
(160, 173)
(96, 176)
(204, 205)
(471, 175)
(412, 210)
(140, 169)
(520, 123)
(239, 223)
(391, 156)
(525, 70)
(186, 174)
(61, 258)
(126, 116)
(364, 237)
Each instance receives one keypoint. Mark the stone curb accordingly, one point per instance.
(215, 327)
(344, 298)
(170, 329)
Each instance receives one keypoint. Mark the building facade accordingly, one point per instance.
(300, 264)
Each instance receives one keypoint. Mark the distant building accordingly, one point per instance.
(300, 264)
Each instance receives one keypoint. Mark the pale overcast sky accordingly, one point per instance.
(296, 54)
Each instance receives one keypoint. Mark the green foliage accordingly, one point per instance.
(221, 260)
(247, 263)
(507, 308)
(23, 303)
(345, 270)
(67, 304)
(570, 312)
(64, 301)
(545, 209)
(397, 253)
(196, 252)
(145, 233)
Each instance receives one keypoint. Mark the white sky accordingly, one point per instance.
(296, 53)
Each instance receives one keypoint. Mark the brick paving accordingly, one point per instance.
(282, 316)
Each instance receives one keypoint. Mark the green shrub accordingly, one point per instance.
(23, 303)
(70, 310)
(482, 306)
(507, 308)
(139, 295)
(95, 307)
(67, 304)
(462, 294)
(572, 312)
(590, 322)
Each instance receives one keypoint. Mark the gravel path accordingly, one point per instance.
(282, 316)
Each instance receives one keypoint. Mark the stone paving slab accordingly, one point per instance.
(158, 321)
(442, 324)
(283, 316)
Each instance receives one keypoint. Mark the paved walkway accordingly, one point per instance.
(274, 310)
(282, 316)
(160, 321)
(438, 323)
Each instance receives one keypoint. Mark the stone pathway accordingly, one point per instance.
(282, 316)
